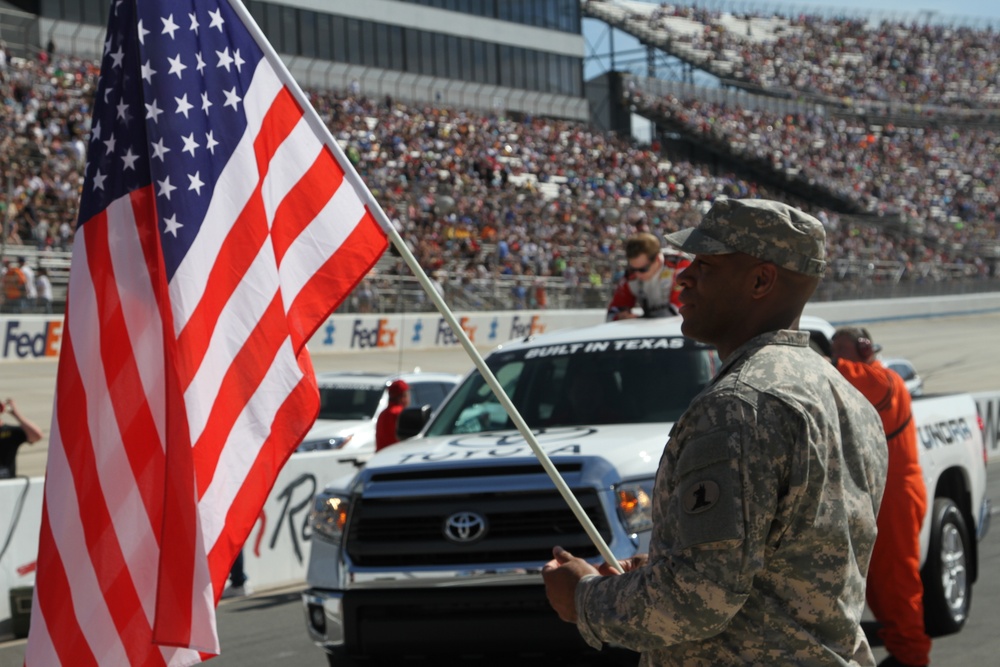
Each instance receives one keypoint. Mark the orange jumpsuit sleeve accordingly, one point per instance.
(887, 392)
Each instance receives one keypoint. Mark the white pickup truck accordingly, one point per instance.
(436, 546)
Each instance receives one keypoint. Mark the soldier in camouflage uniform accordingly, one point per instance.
(767, 491)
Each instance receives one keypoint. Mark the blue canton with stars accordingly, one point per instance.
(168, 111)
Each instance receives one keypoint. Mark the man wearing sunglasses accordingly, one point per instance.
(649, 281)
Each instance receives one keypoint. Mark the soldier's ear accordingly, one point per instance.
(765, 277)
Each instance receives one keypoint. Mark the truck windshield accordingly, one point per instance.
(348, 402)
(600, 382)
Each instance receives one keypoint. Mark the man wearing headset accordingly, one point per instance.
(650, 279)
(895, 591)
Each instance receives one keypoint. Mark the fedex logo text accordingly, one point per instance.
(445, 336)
(380, 336)
(520, 328)
(44, 341)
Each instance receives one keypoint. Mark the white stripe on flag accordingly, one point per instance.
(319, 241)
(135, 536)
(247, 438)
(289, 164)
(240, 315)
(88, 601)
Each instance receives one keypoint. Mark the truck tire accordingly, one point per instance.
(947, 585)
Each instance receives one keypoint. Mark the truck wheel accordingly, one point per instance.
(947, 586)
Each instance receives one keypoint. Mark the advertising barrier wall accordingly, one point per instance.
(39, 336)
(275, 554)
(349, 333)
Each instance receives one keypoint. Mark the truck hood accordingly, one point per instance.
(630, 448)
(330, 428)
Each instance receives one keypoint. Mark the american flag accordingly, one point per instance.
(217, 230)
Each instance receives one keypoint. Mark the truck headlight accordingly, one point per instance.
(635, 506)
(322, 444)
(329, 516)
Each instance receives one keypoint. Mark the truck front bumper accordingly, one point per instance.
(438, 621)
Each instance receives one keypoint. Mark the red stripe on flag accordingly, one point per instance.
(102, 546)
(125, 389)
(305, 201)
(238, 251)
(52, 598)
(282, 117)
(292, 417)
(175, 584)
(339, 275)
(242, 379)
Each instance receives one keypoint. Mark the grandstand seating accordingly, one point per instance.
(495, 202)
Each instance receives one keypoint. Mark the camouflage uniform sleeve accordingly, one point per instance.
(714, 512)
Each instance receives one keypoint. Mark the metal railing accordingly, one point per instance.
(384, 292)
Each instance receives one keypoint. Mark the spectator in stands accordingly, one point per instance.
(650, 280)
(43, 286)
(385, 426)
(30, 289)
(13, 287)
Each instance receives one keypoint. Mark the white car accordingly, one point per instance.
(905, 370)
(350, 403)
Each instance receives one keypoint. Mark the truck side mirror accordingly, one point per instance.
(411, 421)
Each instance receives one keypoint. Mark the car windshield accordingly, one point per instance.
(643, 380)
(349, 401)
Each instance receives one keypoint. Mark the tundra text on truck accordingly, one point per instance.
(437, 544)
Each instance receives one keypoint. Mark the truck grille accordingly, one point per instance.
(520, 527)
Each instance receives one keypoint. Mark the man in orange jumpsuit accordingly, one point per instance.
(895, 591)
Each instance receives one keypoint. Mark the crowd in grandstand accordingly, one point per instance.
(942, 180)
(910, 62)
(479, 196)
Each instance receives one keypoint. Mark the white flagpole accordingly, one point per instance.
(312, 117)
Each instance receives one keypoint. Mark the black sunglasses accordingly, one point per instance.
(631, 270)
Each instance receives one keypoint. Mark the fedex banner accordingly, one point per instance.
(350, 333)
(38, 336)
(30, 336)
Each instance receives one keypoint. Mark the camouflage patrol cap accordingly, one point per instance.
(764, 229)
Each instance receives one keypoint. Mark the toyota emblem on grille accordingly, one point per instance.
(464, 527)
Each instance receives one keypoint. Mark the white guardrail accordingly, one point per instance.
(277, 550)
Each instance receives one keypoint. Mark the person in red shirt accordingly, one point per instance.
(895, 591)
(650, 280)
(385, 427)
